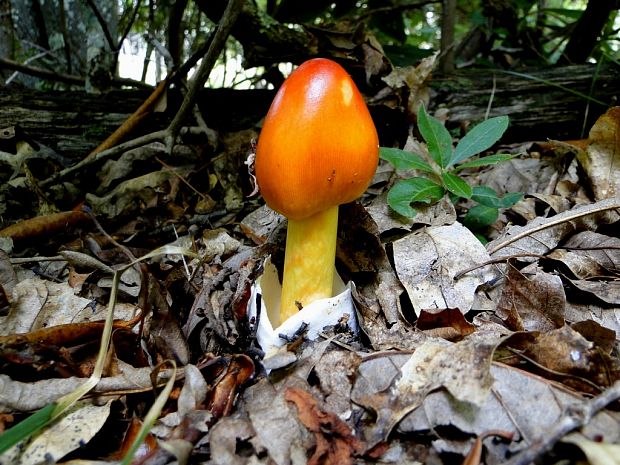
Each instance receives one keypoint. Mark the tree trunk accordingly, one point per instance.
(587, 30)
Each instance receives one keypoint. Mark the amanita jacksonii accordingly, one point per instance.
(318, 148)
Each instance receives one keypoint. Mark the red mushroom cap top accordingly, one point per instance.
(318, 147)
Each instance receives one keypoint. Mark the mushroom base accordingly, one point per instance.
(265, 299)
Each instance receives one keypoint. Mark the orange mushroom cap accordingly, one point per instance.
(318, 147)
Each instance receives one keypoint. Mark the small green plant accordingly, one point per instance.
(443, 168)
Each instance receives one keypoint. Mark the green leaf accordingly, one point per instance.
(437, 138)
(489, 160)
(404, 192)
(403, 160)
(480, 138)
(480, 216)
(485, 195)
(26, 428)
(456, 185)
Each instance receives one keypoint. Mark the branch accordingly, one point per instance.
(157, 136)
(575, 416)
(62, 77)
(215, 48)
(41, 73)
(103, 24)
(265, 40)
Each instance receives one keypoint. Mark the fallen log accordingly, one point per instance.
(555, 103)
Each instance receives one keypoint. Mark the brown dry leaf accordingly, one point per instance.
(230, 435)
(597, 313)
(519, 403)
(259, 224)
(589, 254)
(601, 160)
(135, 194)
(602, 337)
(336, 373)
(335, 442)
(37, 303)
(532, 300)
(221, 397)
(114, 171)
(146, 447)
(277, 430)
(606, 291)
(546, 402)
(360, 250)
(415, 80)
(394, 385)
(580, 265)
(519, 175)
(45, 226)
(448, 323)
(63, 349)
(567, 356)
(163, 327)
(427, 262)
(605, 250)
(25, 397)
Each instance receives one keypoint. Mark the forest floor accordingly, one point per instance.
(500, 345)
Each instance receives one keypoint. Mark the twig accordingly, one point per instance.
(172, 171)
(215, 48)
(490, 105)
(134, 120)
(493, 261)
(132, 20)
(395, 8)
(608, 204)
(575, 416)
(103, 24)
(560, 374)
(105, 154)
(65, 34)
(41, 73)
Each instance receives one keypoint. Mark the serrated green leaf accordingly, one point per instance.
(485, 195)
(480, 138)
(403, 160)
(480, 216)
(489, 160)
(437, 138)
(456, 185)
(404, 192)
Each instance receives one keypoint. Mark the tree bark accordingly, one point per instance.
(541, 104)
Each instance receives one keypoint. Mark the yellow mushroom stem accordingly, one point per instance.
(308, 261)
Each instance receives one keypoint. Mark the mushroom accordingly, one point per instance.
(318, 148)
